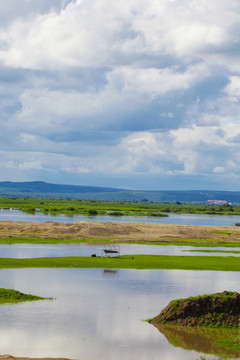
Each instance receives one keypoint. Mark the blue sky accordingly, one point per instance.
(139, 94)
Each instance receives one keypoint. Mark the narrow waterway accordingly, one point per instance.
(58, 250)
(183, 219)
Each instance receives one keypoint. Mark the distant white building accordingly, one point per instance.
(217, 202)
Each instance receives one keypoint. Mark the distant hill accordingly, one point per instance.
(43, 189)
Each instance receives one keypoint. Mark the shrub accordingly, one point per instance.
(92, 212)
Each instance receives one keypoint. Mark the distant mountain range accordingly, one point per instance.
(43, 189)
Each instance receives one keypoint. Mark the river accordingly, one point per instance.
(183, 219)
(21, 251)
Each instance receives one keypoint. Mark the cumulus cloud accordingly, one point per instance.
(128, 91)
(120, 89)
(233, 88)
(105, 33)
(183, 151)
(188, 151)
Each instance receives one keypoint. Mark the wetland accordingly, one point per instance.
(98, 314)
(100, 302)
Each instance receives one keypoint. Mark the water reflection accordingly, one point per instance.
(110, 272)
(56, 250)
(200, 339)
(96, 316)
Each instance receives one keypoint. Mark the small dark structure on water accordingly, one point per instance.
(112, 250)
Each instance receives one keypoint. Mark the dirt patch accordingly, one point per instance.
(121, 231)
(215, 310)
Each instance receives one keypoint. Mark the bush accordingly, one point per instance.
(92, 212)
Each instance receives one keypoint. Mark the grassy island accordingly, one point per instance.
(10, 296)
(208, 323)
(229, 263)
(211, 310)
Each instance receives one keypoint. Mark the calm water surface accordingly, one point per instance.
(56, 250)
(184, 219)
(98, 314)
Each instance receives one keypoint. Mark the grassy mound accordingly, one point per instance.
(215, 310)
(13, 296)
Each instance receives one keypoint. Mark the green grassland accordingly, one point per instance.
(217, 263)
(94, 208)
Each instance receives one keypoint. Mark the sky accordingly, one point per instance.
(136, 94)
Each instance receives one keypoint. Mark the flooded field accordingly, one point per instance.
(97, 313)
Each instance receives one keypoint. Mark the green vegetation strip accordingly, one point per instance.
(214, 251)
(229, 263)
(118, 208)
(219, 232)
(162, 242)
(30, 240)
(10, 296)
(206, 358)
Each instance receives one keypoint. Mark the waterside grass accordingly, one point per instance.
(69, 239)
(214, 251)
(10, 296)
(215, 263)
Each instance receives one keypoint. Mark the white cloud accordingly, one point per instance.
(75, 169)
(28, 138)
(106, 33)
(233, 89)
(34, 164)
(162, 78)
(127, 91)
(167, 114)
(154, 82)
(190, 151)
(219, 170)
(193, 151)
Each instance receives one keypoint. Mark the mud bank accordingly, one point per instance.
(121, 231)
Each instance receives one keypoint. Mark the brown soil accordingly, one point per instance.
(121, 231)
(215, 310)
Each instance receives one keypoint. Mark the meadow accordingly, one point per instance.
(214, 263)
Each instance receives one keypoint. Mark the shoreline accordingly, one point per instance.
(10, 357)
